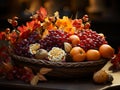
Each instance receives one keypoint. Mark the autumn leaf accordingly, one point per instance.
(45, 70)
(42, 13)
(34, 80)
(41, 77)
(25, 30)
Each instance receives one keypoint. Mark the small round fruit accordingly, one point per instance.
(78, 54)
(106, 51)
(74, 39)
(93, 54)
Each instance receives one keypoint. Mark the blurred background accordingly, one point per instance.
(103, 14)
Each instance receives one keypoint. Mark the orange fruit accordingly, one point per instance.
(93, 54)
(74, 39)
(106, 51)
(78, 54)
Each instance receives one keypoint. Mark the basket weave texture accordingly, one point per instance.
(62, 69)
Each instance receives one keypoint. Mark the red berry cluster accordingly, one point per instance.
(21, 47)
(116, 60)
(90, 39)
(21, 73)
(13, 21)
(56, 38)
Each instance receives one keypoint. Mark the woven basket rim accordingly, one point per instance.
(59, 64)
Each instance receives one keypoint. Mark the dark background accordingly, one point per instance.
(103, 14)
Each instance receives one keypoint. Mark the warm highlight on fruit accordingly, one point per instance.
(53, 44)
(72, 36)
(78, 54)
(106, 51)
(74, 39)
(92, 55)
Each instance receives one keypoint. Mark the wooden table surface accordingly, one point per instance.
(51, 85)
(56, 84)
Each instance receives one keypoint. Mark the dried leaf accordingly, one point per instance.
(35, 80)
(41, 77)
(7, 66)
(28, 69)
(45, 70)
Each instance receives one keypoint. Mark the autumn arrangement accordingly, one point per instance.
(53, 39)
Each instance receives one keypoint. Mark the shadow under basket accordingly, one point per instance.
(61, 69)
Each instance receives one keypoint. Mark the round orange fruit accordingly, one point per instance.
(106, 51)
(93, 54)
(74, 39)
(78, 54)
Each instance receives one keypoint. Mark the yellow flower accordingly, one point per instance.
(65, 24)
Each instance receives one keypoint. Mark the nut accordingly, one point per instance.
(41, 54)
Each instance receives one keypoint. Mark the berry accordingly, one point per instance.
(90, 39)
(56, 38)
(21, 47)
(21, 73)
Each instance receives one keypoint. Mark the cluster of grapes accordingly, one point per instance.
(116, 60)
(56, 38)
(21, 73)
(22, 46)
(90, 39)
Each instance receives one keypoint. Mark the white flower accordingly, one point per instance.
(56, 54)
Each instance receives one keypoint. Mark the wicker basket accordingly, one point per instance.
(62, 69)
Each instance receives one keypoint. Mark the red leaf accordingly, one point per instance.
(42, 13)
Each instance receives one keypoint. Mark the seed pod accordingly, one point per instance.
(56, 54)
(67, 47)
(100, 77)
(41, 54)
(33, 48)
